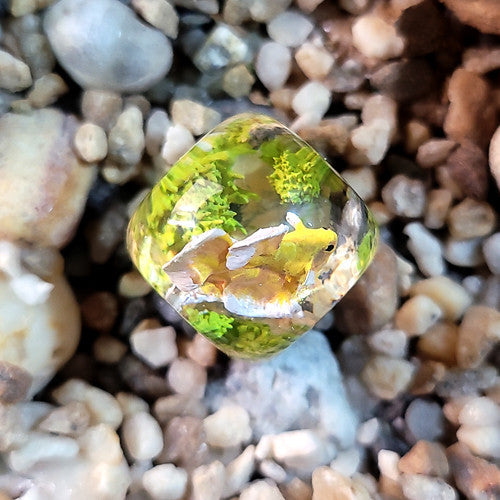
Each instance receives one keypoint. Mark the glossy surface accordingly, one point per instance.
(252, 236)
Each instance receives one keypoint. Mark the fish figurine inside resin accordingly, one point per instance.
(252, 236)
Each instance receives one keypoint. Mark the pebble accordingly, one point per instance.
(418, 486)
(102, 406)
(15, 383)
(227, 427)
(374, 298)
(387, 377)
(479, 411)
(261, 490)
(434, 152)
(483, 440)
(205, 6)
(437, 209)
(142, 436)
(483, 15)
(273, 65)
(290, 28)
(494, 156)
(202, 351)
(207, 481)
(238, 81)
(474, 476)
(477, 335)
(70, 420)
(329, 484)
(100, 443)
(491, 252)
(417, 315)
(178, 141)
(167, 407)
(132, 285)
(165, 482)
(425, 248)
(425, 457)
(425, 420)
(416, 134)
(347, 462)
(46, 90)
(46, 158)
(471, 219)
(439, 343)
(101, 107)
(91, 143)
(126, 138)
(314, 60)
(238, 472)
(368, 432)
(109, 350)
(15, 75)
(374, 37)
(312, 99)
(111, 62)
(393, 343)
(196, 117)
(263, 11)
(363, 181)
(160, 14)
(130, 403)
(157, 125)
(272, 470)
(186, 377)
(464, 253)
(156, 347)
(405, 197)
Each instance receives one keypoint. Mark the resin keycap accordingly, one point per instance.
(252, 236)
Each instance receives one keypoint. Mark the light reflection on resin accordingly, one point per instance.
(252, 236)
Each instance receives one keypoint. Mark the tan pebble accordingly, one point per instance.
(101, 107)
(494, 393)
(380, 212)
(132, 284)
(416, 134)
(363, 181)
(130, 403)
(425, 457)
(227, 427)
(91, 143)
(168, 407)
(237, 81)
(15, 75)
(187, 377)
(439, 342)
(494, 156)
(207, 481)
(471, 219)
(477, 334)
(417, 315)
(387, 377)
(156, 347)
(15, 383)
(126, 141)
(109, 350)
(296, 489)
(159, 13)
(434, 152)
(451, 297)
(282, 98)
(201, 350)
(438, 206)
(329, 484)
(453, 407)
(428, 375)
(46, 90)
(483, 440)
(314, 60)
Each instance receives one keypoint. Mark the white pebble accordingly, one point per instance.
(368, 432)
(491, 251)
(156, 347)
(261, 490)
(312, 98)
(363, 181)
(373, 37)
(187, 377)
(290, 28)
(425, 248)
(142, 436)
(208, 481)
(100, 444)
(387, 461)
(239, 471)
(165, 482)
(464, 253)
(371, 142)
(227, 427)
(419, 486)
(160, 14)
(130, 403)
(91, 143)
(273, 65)
(126, 137)
(404, 196)
(270, 469)
(14, 74)
(157, 125)
(480, 411)
(347, 462)
(482, 440)
(417, 315)
(394, 343)
(178, 141)
(196, 117)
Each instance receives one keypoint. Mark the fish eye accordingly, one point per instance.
(329, 248)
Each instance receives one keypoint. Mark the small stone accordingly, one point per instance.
(206, 6)
(70, 420)
(370, 142)
(484, 15)
(202, 351)
(491, 251)
(228, 427)
(156, 347)
(270, 469)
(15, 383)
(368, 432)
(387, 461)
(460, 382)
(308, 5)
(363, 181)
(111, 62)
(46, 90)
(290, 28)
(427, 458)
(479, 411)
(168, 407)
(425, 420)
(187, 377)
(417, 315)
(429, 374)
(14, 74)
(483, 440)
(379, 107)
(99, 311)
(296, 489)
(91, 143)
(312, 99)
(100, 444)
(109, 350)
(165, 482)
(314, 60)
(156, 128)
(404, 196)
(238, 472)
(260, 490)
(347, 462)
(425, 248)
(207, 481)
(434, 152)
(142, 436)
(101, 107)
(471, 219)
(386, 377)
(198, 119)
(494, 156)
(439, 343)
(416, 134)
(160, 14)
(393, 343)
(477, 334)
(374, 37)
(263, 11)
(126, 138)
(237, 81)
(464, 253)
(328, 484)
(418, 486)
(470, 115)
(132, 284)
(437, 209)
(481, 60)
(475, 477)
(131, 404)
(332, 136)
(273, 65)
(177, 142)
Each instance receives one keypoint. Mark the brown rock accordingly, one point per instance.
(467, 168)
(481, 14)
(14, 383)
(404, 80)
(372, 302)
(481, 59)
(475, 477)
(51, 185)
(471, 219)
(434, 152)
(425, 457)
(99, 311)
(438, 343)
(470, 115)
(429, 373)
